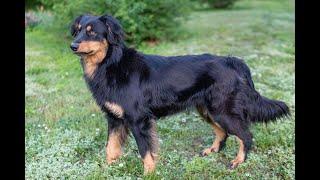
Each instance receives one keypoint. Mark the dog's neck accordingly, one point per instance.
(90, 62)
(110, 57)
(114, 54)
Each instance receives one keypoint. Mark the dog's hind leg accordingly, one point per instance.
(117, 135)
(219, 141)
(238, 128)
(220, 134)
(242, 152)
(144, 132)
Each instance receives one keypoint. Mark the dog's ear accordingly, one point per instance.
(115, 34)
(75, 25)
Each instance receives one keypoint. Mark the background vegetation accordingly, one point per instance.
(66, 132)
(142, 19)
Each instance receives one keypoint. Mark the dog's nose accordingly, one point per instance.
(74, 46)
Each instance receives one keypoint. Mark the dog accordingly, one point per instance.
(135, 89)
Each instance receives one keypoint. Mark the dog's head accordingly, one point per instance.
(93, 34)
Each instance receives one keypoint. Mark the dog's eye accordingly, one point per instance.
(77, 29)
(90, 32)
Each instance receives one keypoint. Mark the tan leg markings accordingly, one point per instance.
(154, 138)
(149, 162)
(115, 141)
(219, 132)
(151, 157)
(203, 113)
(220, 136)
(240, 156)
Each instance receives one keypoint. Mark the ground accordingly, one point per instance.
(65, 132)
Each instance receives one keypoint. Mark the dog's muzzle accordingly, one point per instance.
(74, 46)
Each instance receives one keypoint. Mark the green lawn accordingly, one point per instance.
(66, 132)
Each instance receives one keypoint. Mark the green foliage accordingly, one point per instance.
(32, 3)
(47, 4)
(50, 3)
(141, 19)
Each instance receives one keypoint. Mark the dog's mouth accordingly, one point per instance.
(83, 53)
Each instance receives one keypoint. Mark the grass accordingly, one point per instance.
(65, 131)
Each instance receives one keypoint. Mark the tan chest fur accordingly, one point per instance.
(114, 108)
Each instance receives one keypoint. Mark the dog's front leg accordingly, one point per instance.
(117, 135)
(144, 132)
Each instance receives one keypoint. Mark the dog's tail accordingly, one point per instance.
(260, 109)
(265, 110)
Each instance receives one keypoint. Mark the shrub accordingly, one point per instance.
(141, 19)
(221, 4)
(46, 4)
(31, 19)
(29, 4)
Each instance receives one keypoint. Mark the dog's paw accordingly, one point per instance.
(235, 163)
(207, 151)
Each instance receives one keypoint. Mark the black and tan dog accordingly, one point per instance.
(135, 89)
